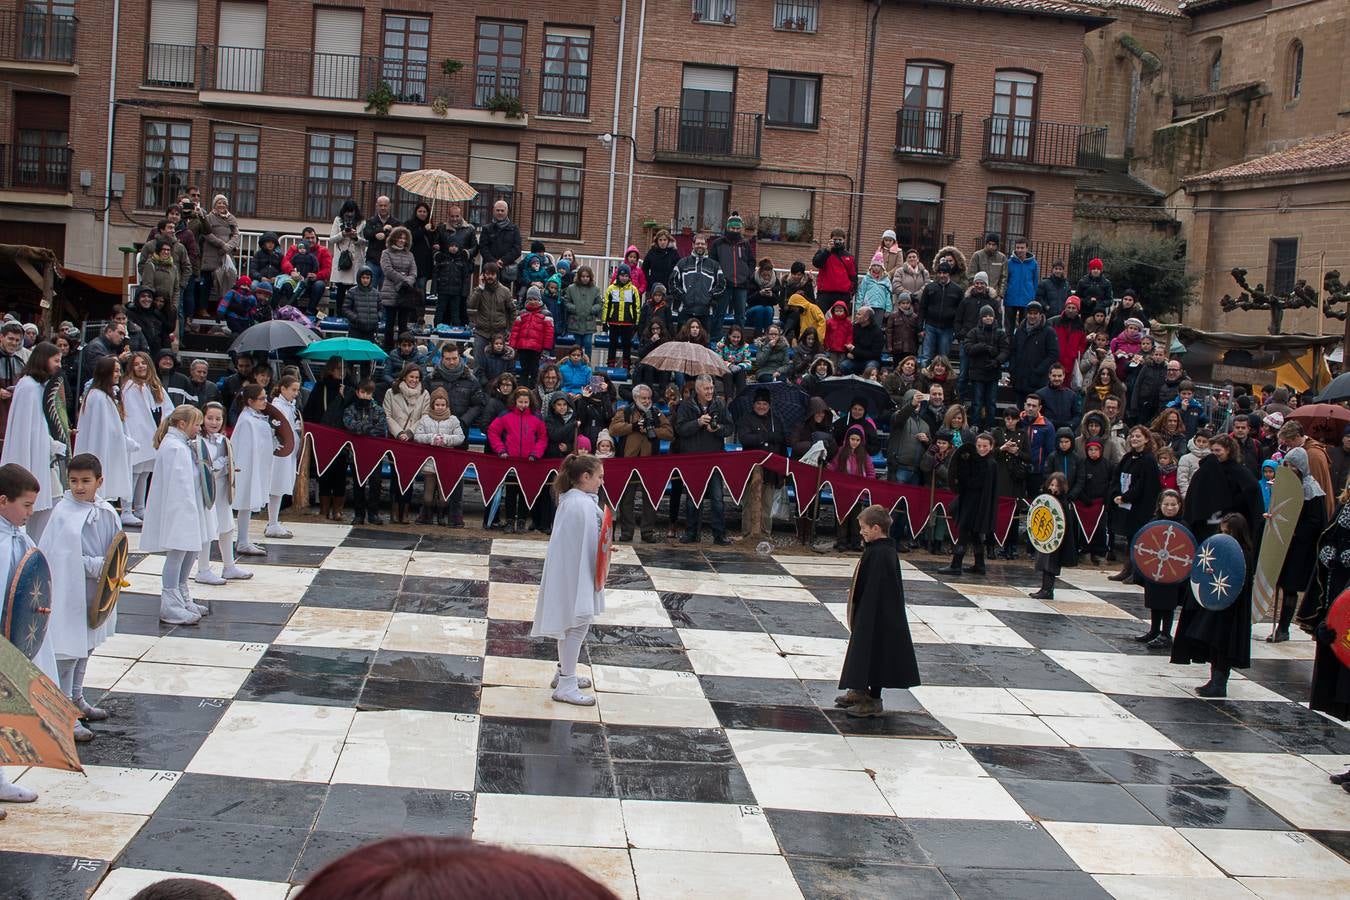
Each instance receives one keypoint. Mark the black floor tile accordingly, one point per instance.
(1052, 632)
(375, 598)
(282, 552)
(773, 718)
(466, 588)
(129, 604)
(1337, 842)
(151, 731)
(822, 694)
(37, 876)
(529, 648)
(134, 624)
(666, 659)
(1206, 806)
(442, 605)
(1015, 667)
(348, 580)
(1068, 801)
(228, 849)
(243, 801)
(541, 736)
(1316, 738)
(634, 637)
(671, 558)
(882, 839)
(955, 675)
(819, 878)
(808, 619)
(708, 612)
(1017, 884)
(369, 809)
(438, 667)
(650, 743)
(682, 781)
(325, 846)
(980, 844)
(322, 675)
(564, 776)
(1218, 738)
(764, 691)
(212, 629)
(246, 611)
(740, 564)
(1046, 763)
(1151, 767)
(397, 693)
(1260, 714)
(455, 542)
(893, 723)
(379, 538)
(1192, 710)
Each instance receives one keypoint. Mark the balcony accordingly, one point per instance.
(1030, 145)
(708, 138)
(359, 85)
(927, 135)
(32, 169)
(38, 41)
(171, 66)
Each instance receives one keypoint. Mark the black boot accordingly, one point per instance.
(1047, 591)
(978, 568)
(954, 567)
(1217, 686)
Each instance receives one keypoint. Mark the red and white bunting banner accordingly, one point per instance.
(1090, 517)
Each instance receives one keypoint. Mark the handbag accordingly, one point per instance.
(410, 295)
(345, 260)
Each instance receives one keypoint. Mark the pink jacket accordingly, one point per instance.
(518, 434)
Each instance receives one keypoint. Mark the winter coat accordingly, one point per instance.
(995, 265)
(975, 480)
(451, 273)
(499, 242)
(1095, 293)
(489, 365)
(869, 340)
(838, 328)
(1137, 484)
(763, 293)
(809, 431)
(162, 278)
(1024, 277)
(583, 304)
(837, 271)
(737, 356)
(401, 412)
(1051, 294)
(987, 349)
(400, 268)
(968, 310)
(1061, 406)
(1113, 448)
(903, 447)
(734, 254)
(636, 276)
(629, 430)
(445, 432)
(361, 306)
(1034, 351)
(1040, 442)
(874, 292)
(1014, 465)
(575, 376)
(938, 304)
(265, 263)
(533, 330)
(772, 359)
(1188, 465)
(364, 417)
(423, 245)
(659, 264)
(649, 313)
(1072, 340)
(354, 244)
(1144, 402)
(491, 310)
(463, 237)
(695, 285)
(1095, 398)
(872, 440)
(595, 412)
(694, 438)
(562, 430)
(1123, 347)
(518, 434)
(621, 303)
(375, 245)
(810, 315)
(910, 280)
(902, 333)
(323, 261)
(466, 395)
(766, 433)
(220, 240)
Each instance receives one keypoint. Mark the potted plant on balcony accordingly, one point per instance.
(451, 66)
(697, 16)
(801, 23)
(728, 18)
(440, 105)
(508, 104)
(380, 98)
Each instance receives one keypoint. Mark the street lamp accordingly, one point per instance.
(607, 139)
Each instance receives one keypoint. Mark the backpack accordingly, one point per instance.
(345, 260)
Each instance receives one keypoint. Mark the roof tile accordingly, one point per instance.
(1319, 155)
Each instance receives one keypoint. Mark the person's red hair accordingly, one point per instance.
(442, 868)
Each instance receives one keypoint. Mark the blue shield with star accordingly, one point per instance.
(28, 603)
(1219, 572)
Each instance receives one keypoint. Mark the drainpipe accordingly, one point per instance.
(866, 125)
(632, 128)
(112, 116)
(614, 129)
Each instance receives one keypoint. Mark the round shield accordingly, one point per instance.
(109, 588)
(1219, 572)
(1338, 620)
(206, 479)
(28, 603)
(1046, 524)
(54, 409)
(606, 548)
(281, 430)
(1163, 551)
(230, 470)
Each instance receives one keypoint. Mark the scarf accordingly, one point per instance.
(1102, 390)
(410, 393)
(1297, 459)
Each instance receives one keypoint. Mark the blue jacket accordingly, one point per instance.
(1040, 442)
(574, 377)
(1023, 278)
(1192, 414)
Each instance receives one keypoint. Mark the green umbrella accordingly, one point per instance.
(349, 348)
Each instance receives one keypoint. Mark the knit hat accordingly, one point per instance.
(1093, 442)
(944, 434)
(986, 310)
(1095, 263)
(878, 259)
(889, 233)
(763, 394)
(982, 278)
(658, 288)
(734, 221)
(533, 292)
(217, 198)
(603, 436)
(1073, 301)
(263, 287)
(945, 267)
(903, 296)
(563, 266)
(1273, 421)
(991, 236)
(1135, 322)
(624, 269)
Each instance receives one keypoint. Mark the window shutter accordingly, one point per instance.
(701, 79)
(784, 203)
(174, 22)
(492, 164)
(919, 191)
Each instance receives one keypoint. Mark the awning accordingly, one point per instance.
(114, 285)
(1289, 358)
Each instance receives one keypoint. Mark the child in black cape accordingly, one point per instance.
(880, 651)
(1051, 564)
(1222, 638)
(1330, 690)
(1162, 600)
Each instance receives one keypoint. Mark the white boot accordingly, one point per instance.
(191, 604)
(278, 531)
(582, 681)
(81, 734)
(250, 550)
(173, 611)
(130, 518)
(233, 573)
(207, 576)
(13, 793)
(567, 692)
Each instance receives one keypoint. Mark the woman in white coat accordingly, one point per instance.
(28, 440)
(284, 467)
(569, 599)
(405, 403)
(175, 520)
(145, 403)
(253, 445)
(439, 428)
(103, 432)
(219, 513)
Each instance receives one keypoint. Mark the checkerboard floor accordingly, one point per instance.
(368, 683)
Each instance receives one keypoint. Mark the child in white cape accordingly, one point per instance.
(284, 467)
(103, 432)
(146, 404)
(219, 514)
(253, 444)
(175, 520)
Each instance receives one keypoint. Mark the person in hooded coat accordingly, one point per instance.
(1300, 564)
(253, 444)
(1223, 485)
(29, 442)
(146, 403)
(1222, 638)
(1136, 494)
(176, 522)
(975, 474)
(880, 650)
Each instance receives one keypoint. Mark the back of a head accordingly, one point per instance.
(441, 868)
(182, 889)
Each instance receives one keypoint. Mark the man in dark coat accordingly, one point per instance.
(880, 651)
(760, 429)
(1035, 348)
(976, 482)
(499, 240)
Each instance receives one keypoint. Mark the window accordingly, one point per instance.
(1216, 70)
(164, 162)
(393, 157)
(792, 100)
(784, 215)
(707, 101)
(403, 63)
(557, 192)
(47, 30)
(337, 53)
(918, 217)
(796, 15)
(243, 42)
(170, 56)
(567, 72)
(1294, 78)
(234, 167)
(330, 173)
(701, 207)
(492, 170)
(715, 11)
(42, 143)
(1013, 125)
(1283, 264)
(1008, 212)
(923, 116)
(498, 61)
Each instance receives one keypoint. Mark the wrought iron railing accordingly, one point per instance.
(796, 15)
(705, 133)
(1008, 139)
(171, 65)
(32, 36)
(928, 133)
(33, 167)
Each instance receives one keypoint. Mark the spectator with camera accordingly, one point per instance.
(639, 429)
(347, 249)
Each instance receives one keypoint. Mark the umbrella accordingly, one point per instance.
(840, 392)
(786, 400)
(1324, 421)
(349, 348)
(1338, 391)
(686, 357)
(36, 720)
(436, 184)
(269, 337)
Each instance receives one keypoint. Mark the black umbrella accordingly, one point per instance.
(1338, 391)
(273, 336)
(840, 393)
(786, 400)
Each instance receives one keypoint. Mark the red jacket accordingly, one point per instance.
(837, 272)
(533, 330)
(838, 329)
(1072, 341)
(518, 434)
(320, 253)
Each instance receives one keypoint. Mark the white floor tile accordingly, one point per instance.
(280, 741)
(532, 703)
(994, 728)
(410, 748)
(127, 646)
(420, 633)
(1296, 789)
(948, 797)
(1267, 854)
(701, 827)
(182, 681)
(350, 629)
(680, 875)
(821, 790)
(915, 759)
(526, 673)
(939, 699)
(1128, 733)
(659, 711)
(638, 609)
(787, 748)
(34, 828)
(611, 866)
(379, 560)
(122, 884)
(1166, 887)
(136, 792)
(1297, 888)
(532, 819)
(658, 682)
(1130, 850)
(205, 652)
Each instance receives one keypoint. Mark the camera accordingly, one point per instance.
(185, 205)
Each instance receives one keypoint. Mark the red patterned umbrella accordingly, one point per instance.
(1324, 421)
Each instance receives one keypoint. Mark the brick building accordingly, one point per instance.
(932, 117)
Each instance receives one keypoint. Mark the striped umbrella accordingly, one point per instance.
(436, 184)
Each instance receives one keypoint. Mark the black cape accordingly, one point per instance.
(1221, 488)
(1330, 691)
(976, 485)
(1166, 597)
(880, 651)
(1222, 638)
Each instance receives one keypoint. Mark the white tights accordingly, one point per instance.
(274, 509)
(71, 673)
(226, 544)
(245, 515)
(177, 568)
(142, 486)
(569, 648)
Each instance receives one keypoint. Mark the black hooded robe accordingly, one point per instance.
(880, 651)
(976, 494)
(1219, 488)
(1222, 638)
(1330, 690)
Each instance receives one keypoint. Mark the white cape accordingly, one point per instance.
(220, 515)
(284, 467)
(567, 594)
(140, 404)
(28, 441)
(253, 443)
(75, 543)
(174, 518)
(14, 543)
(103, 433)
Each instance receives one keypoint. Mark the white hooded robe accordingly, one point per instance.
(75, 543)
(567, 593)
(140, 405)
(28, 441)
(174, 518)
(103, 433)
(253, 443)
(284, 467)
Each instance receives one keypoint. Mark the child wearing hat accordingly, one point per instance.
(621, 306)
(532, 334)
(874, 289)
